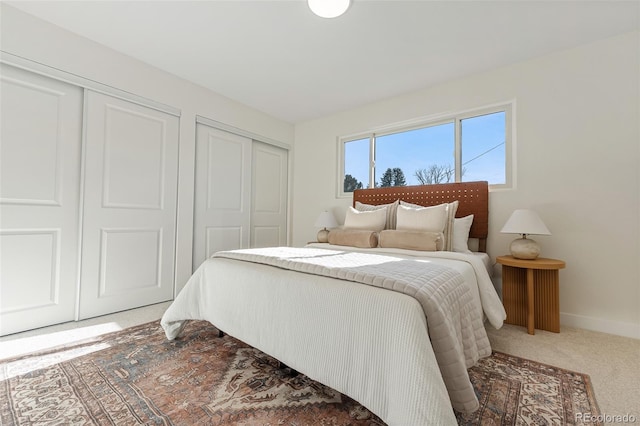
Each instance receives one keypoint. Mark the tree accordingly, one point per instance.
(398, 177)
(387, 178)
(436, 174)
(351, 183)
(393, 177)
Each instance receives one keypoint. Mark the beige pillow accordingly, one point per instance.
(374, 220)
(452, 208)
(353, 238)
(410, 240)
(430, 219)
(391, 211)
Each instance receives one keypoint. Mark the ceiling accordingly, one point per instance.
(279, 58)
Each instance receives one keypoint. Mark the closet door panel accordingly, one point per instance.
(129, 206)
(269, 196)
(134, 159)
(222, 210)
(39, 199)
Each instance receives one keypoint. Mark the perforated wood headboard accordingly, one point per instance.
(473, 198)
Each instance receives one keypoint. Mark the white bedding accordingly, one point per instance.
(486, 260)
(366, 342)
(469, 265)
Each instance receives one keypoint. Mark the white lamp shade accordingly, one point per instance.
(326, 220)
(525, 222)
(329, 8)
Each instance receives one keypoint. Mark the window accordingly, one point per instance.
(460, 148)
(356, 155)
(483, 156)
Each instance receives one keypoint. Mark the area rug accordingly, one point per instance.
(136, 376)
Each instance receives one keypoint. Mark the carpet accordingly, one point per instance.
(136, 376)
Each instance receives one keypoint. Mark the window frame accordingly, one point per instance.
(455, 118)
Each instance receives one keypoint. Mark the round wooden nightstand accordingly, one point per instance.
(530, 292)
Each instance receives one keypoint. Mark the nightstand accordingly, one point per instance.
(530, 292)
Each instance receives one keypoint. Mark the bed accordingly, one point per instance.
(342, 326)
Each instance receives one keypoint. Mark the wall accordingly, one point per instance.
(577, 161)
(31, 38)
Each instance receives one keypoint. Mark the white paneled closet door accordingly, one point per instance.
(130, 194)
(40, 144)
(269, 196)
(222, 212)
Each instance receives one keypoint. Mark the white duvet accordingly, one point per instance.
(366, 342)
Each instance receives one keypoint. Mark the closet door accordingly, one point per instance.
(39, 191)
(222, 211)
(129, 218)
(269, 196)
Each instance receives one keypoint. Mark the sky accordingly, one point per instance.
(483, 151)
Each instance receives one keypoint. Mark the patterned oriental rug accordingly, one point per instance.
(136, 376)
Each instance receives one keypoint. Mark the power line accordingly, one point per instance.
(484, 153)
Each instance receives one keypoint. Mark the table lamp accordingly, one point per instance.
(324, 221)
(525, 222)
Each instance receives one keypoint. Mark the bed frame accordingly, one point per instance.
(473, 198)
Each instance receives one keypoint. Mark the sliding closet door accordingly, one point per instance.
(39, 192)
(269, 196)
(222, 210)
(129, 218)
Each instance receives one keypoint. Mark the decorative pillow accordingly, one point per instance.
(353, 238)
(410, 240)
(371, 221)
(423, 219)
(430, 219)
(461, 227)
(391, 211)
(452, 208)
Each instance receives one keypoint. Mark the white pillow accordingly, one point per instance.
(461, 227)
(428, 219)
(374, 220)
(448, 227)
(391, 211)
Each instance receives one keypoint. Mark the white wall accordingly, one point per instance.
(577, 149)
(31, 38)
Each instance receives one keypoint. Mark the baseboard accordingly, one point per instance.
(625, 329)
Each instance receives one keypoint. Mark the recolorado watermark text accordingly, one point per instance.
(606, 418)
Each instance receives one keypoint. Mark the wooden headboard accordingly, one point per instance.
(473, 198)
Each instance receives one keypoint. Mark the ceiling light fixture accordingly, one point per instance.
(329, 8)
